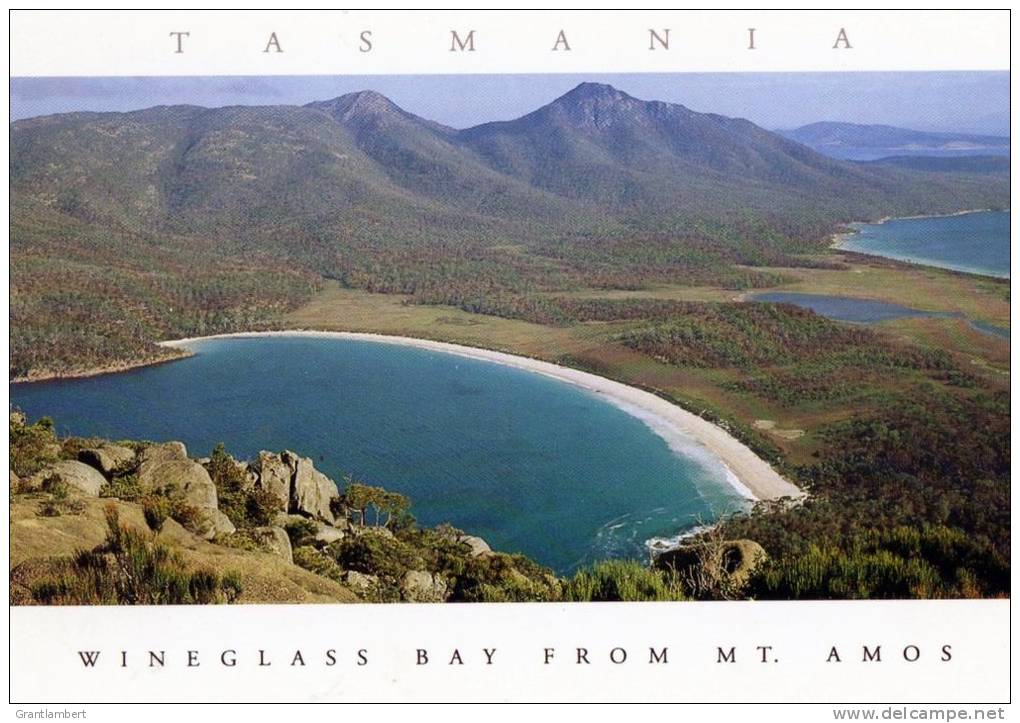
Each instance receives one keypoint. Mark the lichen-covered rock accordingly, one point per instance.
(167, 465)
(78, 475)
(250, 478)
(163, 452)
(478, 546)
(328, 534)
(275, 540)
(212, 523)
(107, 459)
(360, 582)
(311, 491)
(421, 586)
(358, 531)
(273, 475)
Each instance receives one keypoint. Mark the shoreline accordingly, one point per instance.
(752, 477)
(838, 238)
(101, 370)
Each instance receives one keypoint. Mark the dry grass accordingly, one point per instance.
(265, 578)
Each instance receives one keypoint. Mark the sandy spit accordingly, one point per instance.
(750, 475)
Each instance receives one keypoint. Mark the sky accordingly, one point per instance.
(957, 101)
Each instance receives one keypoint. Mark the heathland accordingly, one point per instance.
(599, 232)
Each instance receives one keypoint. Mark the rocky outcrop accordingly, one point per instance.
(328, 534)
(360, 582)
(213, 523)
(275, 540)
(421, 586)
(78, 475)
(479, 547)
(729, 563)
(166, 466)
(273, 475)
(311, 492)
(372, 530)
(108, 458)
(301, 488)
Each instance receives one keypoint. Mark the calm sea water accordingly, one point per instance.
(973, 242)
(866, 311)
(531, 464)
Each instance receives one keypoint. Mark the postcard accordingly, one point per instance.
(447, 356)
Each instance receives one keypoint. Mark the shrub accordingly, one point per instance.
(624, 581)
(315, 561)
(244, 505)
(60, 500)
(904, 562)
(301, 532)
(156, 509)
(379, 555)
(504, 578)
(231, 586)
(56, 486)
(125, 487)
(131, 569)
(32, 446)
(239, 540)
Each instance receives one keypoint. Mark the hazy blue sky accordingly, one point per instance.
(961, 101)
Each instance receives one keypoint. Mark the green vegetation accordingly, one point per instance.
(359, 497)
(935, 461)
(904, 562)
(623, 581)
(59, 501)
(31, 445)
(131, 569)
(244, 504)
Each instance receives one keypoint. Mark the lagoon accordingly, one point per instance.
(975, 242)
(867, 311)
(532, 464)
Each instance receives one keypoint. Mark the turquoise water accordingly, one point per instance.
(866, 311)
(532, 464)
(976, 242)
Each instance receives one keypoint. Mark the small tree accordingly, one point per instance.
(394, 505)
(358, 496)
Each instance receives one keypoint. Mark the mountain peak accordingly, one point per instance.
(587, 94)
(363, 102)
(598, 106)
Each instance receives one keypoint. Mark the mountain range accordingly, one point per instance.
(594, 153)
(180, 219)
(853, 141)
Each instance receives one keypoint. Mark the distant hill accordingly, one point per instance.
(853, 141)
(952, 164)
(181, 220)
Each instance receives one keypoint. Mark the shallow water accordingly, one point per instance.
(532, 464)
(973, 242)
(866, 311)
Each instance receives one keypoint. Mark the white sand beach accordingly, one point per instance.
(751, 476)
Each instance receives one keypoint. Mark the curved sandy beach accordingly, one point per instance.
(751, 476)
